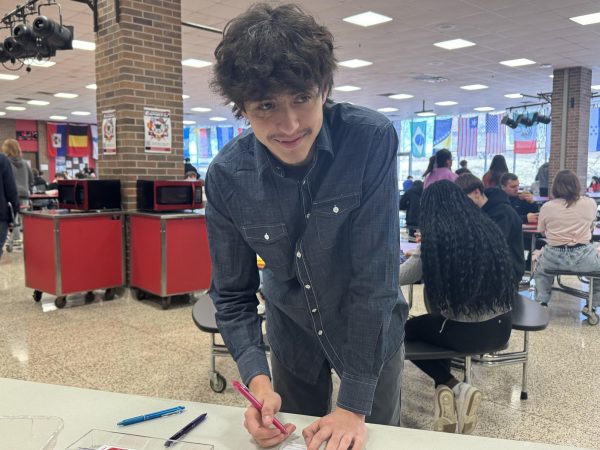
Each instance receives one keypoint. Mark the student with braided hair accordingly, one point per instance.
(469, 288)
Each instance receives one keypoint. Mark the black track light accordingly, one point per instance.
(540, 118)
(57, 35)
(506, 120)
(524, 120)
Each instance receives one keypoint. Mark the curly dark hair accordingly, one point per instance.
(466, 262)
(271, 50)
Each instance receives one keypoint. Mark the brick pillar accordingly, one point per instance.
(138, 64)
(571, 94)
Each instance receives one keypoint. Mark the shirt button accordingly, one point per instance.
(307, 286)
(314, 310)
(303, 181)
(298, 255)
(307, 215)
(320, 332)
(336, 209)
(267, 237)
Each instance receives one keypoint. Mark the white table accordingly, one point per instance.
(86, 409)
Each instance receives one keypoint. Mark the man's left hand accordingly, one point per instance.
(527, 196)
(342, 429)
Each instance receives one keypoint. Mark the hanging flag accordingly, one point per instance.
(594, 138)
(495, 134)
(186, 141)
(467, 137)
(442, 134)
(109, 132)
(418, 138)
(204, 150)
(27, 135)
(224, 135)
(57, 139)
(94, 134)
(79, 141)
(525, 137)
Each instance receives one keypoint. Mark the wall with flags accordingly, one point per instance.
(201, 144)
(69, 147)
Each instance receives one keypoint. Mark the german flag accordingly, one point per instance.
(79, 141)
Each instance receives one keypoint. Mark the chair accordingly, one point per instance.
(592, 317)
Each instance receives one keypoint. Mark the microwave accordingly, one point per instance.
(168, 195)
(88, 195)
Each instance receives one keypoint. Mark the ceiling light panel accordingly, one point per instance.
(36, 63)
(201, 109)
(446, 103)
(454, 44)
(400, 96)
(196, 63)
(484, 108)
(218, 119)
(66, 95)
(58, 117)
(474, 87)
(2, 113)
(16, 108)
(367, 19)
(8, 77)
(347, 88)
(38, 102)
(596, 87)
(517, 62)
(189, 122)
(587, 19)
(426, 114)
(92, 86)
(81, 113)
(84, 45)
(388, 109)
(515, 95)
(184, 96)
(355, 63)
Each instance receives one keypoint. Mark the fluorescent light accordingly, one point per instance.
(218, 119)
(446, 103)
(474, 87)
(551, 76)
(517, 62)
(65, 95)
(515, 95)
(201, 109)
(2, 113)
(426, 114)
(189, 122)
(484, 108)
(355, 63)
(84, 45)
(587, 19)
(184, 96)
(58, 117)
(36, 63)
(400, 96)
(347, 88)
(196, 63)
(7, 77)
(454, 44)
(596, 87)
(38, 102)
(388, 109)
(81, 113)
(92, 86)
(367, 19)
(16, 108)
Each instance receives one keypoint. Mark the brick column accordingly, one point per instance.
(571, 94)
(138, 64)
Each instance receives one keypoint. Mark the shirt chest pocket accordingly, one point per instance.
(331, 217)
(270, 242)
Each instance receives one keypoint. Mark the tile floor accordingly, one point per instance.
(132, 346)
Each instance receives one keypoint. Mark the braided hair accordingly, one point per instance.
(466, 263)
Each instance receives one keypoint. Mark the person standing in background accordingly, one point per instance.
(23, 176)
(188, 167)
(463, 168)
(9, 198)
(542, 179)
(497, 168)
(407, 183)
(441, 171)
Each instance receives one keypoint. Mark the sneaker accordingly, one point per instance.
(468, 400)
(445, 411)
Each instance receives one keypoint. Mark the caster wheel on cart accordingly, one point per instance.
(217, 382)
(9, 248)
(593, 319)
(189, 298)
(60, 302)
(109, 294)
(165, 302)
(139, 294)
(37, 295)
(89, 296)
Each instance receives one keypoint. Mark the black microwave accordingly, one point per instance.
(169, 195)
(88, 195)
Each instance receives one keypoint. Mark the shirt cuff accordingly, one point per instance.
(357, 394)
(251, 363)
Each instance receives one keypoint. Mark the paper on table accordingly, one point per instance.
(293, 446)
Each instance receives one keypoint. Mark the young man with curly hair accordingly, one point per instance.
(312, 189)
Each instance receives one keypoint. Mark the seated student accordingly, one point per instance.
(567, 221)
(494, 202)
(54, 185)
(594, 185)
(410, 202)
(191, 176)
(469, 289)
(523, 203)
(441, 169)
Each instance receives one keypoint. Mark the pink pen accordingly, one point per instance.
(242, 389)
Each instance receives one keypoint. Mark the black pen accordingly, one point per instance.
(185, 430)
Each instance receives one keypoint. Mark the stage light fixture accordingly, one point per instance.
(524, 120)
(506, 120)
(540, 118)
(57, 35)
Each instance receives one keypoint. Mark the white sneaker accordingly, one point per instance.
(445, 411)
(467, 404)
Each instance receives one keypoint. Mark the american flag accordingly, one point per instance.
(495, 135)
(467, 137)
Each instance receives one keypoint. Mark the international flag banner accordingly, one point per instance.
(187, 131)
(418, 133)
(442, 134)
(525, 138)
(224, 135)
(27, 135)
(495, 134)
(467, 137)
(204, 150)
(79, 142)
(109, 132)
(57, 139)
(594, 138)
(94, 134)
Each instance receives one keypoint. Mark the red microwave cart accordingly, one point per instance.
(70, 252)
(168, 254)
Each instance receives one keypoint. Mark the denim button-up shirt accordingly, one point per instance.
(330, 243)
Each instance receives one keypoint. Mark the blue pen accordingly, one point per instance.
(150, 416)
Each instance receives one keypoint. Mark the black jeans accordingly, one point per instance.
(300, 397)
(476, 337)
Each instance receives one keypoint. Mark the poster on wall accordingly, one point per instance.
(109, 132)
(157, 130)
(27, 135)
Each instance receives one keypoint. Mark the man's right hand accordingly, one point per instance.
(260, 423)
(532, 217)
